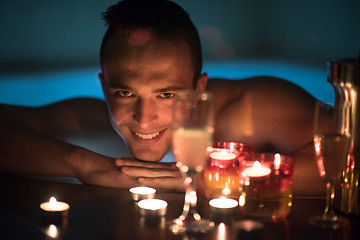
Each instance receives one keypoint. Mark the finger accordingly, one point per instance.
(149, 172)
(133, 162)
(164, 183)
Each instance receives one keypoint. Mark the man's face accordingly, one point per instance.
(139, 83)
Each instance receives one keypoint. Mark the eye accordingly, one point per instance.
(124, 93)
(166, 95)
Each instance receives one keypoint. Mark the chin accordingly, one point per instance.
(150, 156)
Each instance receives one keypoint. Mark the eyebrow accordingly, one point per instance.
(168, 89)
(159, 90)
(119, 86)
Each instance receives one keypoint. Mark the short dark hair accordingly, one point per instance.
(163, 18)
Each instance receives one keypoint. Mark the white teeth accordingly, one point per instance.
(147, 136)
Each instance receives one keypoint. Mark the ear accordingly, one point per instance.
(102, 81)
(101, 78)
(202, 82)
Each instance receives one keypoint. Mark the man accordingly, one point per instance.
(150, 51)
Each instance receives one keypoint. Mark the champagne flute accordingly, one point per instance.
(192, 131)
(331, 143)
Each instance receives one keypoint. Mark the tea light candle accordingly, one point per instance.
(222, 158)
(222, 209)
(152, 207)
(257, 170)
(55, 212)
(139, 193)
(223, 203)
(54, 206)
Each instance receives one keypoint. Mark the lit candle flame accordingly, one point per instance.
(257, 165)
(53, 202)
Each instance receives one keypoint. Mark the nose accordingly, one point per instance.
(145, 112)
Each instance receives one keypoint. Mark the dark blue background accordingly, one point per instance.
(49, 49)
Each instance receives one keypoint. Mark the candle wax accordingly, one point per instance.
(257, 170)
(152, 207)
(152, 204)
(223, 202)
(222, 155)
(54, 206)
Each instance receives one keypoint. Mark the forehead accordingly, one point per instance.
(153, 61)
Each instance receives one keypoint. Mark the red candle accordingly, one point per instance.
(222, 158)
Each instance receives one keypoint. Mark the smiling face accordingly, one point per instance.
(139, 82)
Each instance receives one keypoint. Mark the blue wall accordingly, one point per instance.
(50, 48)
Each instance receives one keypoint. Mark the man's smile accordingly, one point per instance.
(149, 137)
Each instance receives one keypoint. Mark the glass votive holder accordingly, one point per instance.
(266, 180)
(221, 173)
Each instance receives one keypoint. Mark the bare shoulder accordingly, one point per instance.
(260, 84)
(269, 112)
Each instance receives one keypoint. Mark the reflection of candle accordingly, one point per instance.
(257, 170)
(139, 193)
(222, 158)
(223, 203)
(152, 207)
(52, 231)
(277, 161)
(248, 229)
(54, 206)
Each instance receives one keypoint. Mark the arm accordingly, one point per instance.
(36, 141)
(30, 145)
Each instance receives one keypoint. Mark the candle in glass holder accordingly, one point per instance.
(257, 170)
(266, 181)
(222, 158)
(221, 176)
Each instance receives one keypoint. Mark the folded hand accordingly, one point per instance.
(162, 176)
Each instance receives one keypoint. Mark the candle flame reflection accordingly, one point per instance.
(222, 232)
(52, 230)
(226, 191)
(242, 200)
(277, 161)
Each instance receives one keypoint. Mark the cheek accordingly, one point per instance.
(120, 112)
(165, 113)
